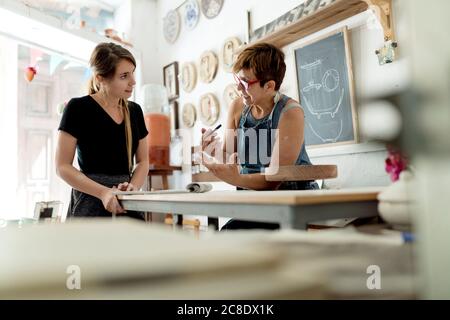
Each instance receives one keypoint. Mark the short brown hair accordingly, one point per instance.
(265, 60)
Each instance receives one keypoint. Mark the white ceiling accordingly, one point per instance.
(67, 5)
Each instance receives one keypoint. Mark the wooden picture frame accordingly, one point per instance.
(170, 75)
(337, 81)
(174, 119)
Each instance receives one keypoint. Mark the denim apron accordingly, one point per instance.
(85, 205)
(254, 156)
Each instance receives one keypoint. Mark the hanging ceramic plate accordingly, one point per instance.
(230, 93)
(229, 53)
(188, 76)
(208, 66)
(171, 26)
(209, 109)
(211, 8)
(191, 14)
(189, 115)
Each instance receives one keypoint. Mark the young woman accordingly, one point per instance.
(108, 132)
(265, 128)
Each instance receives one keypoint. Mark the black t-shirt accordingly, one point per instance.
(101, 142)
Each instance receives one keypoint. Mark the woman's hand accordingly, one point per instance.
(210, 142)
(126, 186)
(110, 201)
(228, 172)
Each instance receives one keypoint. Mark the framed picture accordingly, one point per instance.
(171, 80)
(326, 90)
(174, 121)
(48, 210)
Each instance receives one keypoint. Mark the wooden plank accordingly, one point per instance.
(322, 18)
(301, 173)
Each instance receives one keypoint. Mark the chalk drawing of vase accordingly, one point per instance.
(322, 91)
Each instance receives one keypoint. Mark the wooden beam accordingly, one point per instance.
(331, 14)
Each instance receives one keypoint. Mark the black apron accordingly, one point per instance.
(83, 205)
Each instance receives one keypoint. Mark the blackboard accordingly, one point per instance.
(325, 87)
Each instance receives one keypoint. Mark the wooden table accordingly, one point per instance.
(291, 209)
(163, 171)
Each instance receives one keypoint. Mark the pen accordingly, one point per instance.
(215, 129)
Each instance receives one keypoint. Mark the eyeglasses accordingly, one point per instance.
(245, 84)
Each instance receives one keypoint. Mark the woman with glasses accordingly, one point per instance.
(265, 128)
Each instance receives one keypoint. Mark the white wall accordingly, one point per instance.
(136, 20)
(358, 164)
(8, 127)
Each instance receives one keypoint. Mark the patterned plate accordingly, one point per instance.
(209, 109)
(208, 66)
(229, 53)
(189, 115)
(191, 14)
(171, 26)
(230, 93)
(188, 76)
(211, 8)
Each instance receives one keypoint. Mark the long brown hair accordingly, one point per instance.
(103, 61)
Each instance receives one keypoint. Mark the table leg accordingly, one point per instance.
(148, 215)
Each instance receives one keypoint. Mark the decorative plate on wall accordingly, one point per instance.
(171, 26)
(209, 109)
(191, 14)
(229, 50)
(208, 66)
(230, 93)
(188, 76)
(211, 8)
(189, 115)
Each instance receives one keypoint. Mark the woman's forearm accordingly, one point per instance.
(252, 181)
(140, 174)
(80, 182)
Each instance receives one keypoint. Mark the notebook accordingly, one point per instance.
(194, 187)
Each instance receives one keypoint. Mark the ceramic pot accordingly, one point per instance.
(396, 204)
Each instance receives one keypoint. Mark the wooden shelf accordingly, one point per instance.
(331, 14)
(162, 170)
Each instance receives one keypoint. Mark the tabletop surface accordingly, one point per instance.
(288, 197)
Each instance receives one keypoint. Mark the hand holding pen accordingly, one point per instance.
(210, 140)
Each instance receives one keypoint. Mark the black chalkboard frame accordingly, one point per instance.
(351, 85)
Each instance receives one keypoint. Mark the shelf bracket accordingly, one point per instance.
(383, 10)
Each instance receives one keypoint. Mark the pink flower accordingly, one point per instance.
(395, 163)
